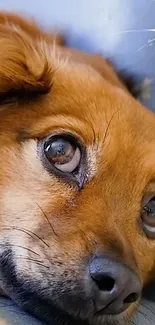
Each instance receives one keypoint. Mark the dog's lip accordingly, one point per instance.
(101, 317)
(107, 310)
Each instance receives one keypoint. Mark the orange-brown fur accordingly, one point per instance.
(46, 87)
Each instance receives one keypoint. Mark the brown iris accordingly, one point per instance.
(63, 154)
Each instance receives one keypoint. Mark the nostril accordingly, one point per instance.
(106, 283)
(131, 298)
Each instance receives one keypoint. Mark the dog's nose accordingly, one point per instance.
(115, 286)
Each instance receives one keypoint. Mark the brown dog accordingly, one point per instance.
(77, 182)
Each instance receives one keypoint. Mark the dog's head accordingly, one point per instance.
(77, 183)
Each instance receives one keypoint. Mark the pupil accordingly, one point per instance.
(59, 148)
(150, 208)
(59, 151)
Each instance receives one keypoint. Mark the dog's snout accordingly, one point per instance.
(115, 286)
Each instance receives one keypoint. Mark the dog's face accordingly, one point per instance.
(77, 187)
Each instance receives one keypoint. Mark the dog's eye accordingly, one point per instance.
(148, 217)
(63, 154)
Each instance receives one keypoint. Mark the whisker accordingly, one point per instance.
(33, 260)
(149, 43)
(135, 31)
(28, 232)
(46, 217)
(12, 245)
(131, 322)
(148, 308)
(34, 234)
(40, 264)
(142, 47)
(145, 316)
(29, 259)
(109, 123)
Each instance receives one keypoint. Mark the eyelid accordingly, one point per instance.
(147, 198)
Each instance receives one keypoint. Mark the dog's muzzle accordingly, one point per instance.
(114, 286)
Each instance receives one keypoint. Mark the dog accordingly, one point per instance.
(77, 182)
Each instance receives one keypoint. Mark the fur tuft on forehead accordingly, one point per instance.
(26, 59)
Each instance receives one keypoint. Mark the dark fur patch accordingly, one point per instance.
(132, 82)
(138, 86)
(22, 95)
(28, 297)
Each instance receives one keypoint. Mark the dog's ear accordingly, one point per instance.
(25, 67)
(30, 27)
